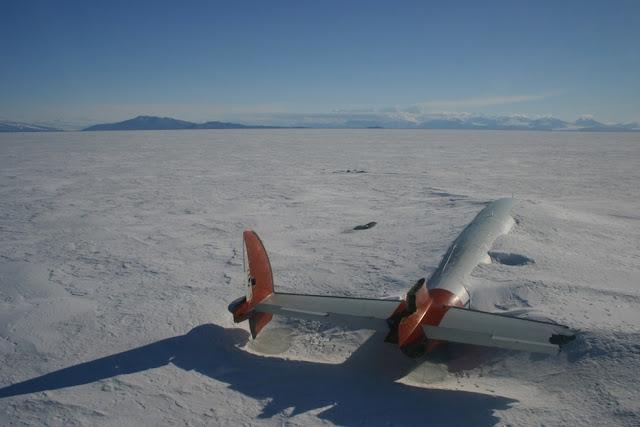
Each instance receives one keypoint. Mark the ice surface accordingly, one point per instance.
(120, 251)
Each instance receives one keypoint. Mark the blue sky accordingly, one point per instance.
(84, 61)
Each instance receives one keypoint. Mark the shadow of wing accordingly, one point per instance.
(362, 388)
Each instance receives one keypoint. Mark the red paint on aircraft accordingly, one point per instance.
(260, 281)
(431, 306)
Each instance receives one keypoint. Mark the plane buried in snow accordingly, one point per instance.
(432, 312)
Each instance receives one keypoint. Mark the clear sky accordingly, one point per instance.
(109, 60)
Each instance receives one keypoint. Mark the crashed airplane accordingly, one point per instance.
(434, 311)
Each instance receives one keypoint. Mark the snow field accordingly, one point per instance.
(119, 252)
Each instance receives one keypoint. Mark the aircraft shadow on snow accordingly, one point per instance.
(362, 388)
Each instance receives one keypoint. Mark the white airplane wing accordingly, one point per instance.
(496, 330)
(325, 306)
(459, 325)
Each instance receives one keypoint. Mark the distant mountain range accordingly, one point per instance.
(376, 121)
(167, 123)
(24, 127)
(478, 122)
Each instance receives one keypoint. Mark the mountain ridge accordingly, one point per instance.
(462, 121)
(169, 123)
(11, 126)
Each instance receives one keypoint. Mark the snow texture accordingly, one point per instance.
(120, 251)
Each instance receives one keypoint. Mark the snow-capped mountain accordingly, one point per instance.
(9, 126)
(589, 123)
(406, 120)
(520, 122)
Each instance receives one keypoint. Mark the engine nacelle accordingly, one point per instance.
(422, 306)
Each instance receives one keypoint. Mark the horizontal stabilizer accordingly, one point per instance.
(327, 307)
(497, 330)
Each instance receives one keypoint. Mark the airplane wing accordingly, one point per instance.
(497, 330)
(325, 306)
(458, 325)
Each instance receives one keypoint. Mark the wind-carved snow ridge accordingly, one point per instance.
(120, 252)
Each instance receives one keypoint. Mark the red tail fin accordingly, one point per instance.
(259, 275)
(259, 284)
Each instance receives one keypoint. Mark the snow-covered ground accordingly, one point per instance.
(119, 252)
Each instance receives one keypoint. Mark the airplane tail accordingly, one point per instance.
(259, 284)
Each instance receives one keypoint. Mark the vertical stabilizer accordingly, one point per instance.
(259, 284)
